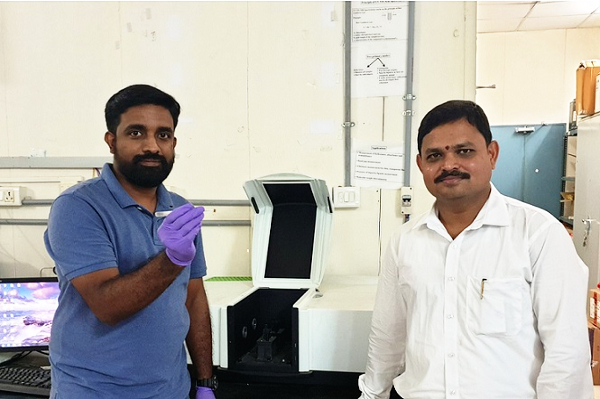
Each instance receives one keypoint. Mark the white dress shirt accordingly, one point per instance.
(497, 313)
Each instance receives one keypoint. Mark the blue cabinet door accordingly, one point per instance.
(530, 166)
(508, 175)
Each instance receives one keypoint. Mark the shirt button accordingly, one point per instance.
(450, 278)
(450, 316)
(452, 392)
(450, 354)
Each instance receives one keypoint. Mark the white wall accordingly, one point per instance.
(534, 73)
(253, 79)
(445, 47)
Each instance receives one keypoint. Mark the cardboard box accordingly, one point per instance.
(595, 352)
(594, 307)
(596, 372)
(597, 98)
(585, 93)
(594, 341)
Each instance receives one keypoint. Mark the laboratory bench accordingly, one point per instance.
(226, 388)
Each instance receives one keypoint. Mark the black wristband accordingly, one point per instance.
(211, 382)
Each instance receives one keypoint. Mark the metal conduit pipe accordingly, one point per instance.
(409, 97)
(348, 124)
(48, 202)
(212, 202)
(28, 222)
(43, 222)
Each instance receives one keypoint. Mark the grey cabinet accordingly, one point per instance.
(586, 222)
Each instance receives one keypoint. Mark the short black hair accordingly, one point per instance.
(452, 111)
(135, 95)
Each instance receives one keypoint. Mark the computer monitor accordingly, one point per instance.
(27, 306)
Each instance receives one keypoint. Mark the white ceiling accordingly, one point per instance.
(513, 16)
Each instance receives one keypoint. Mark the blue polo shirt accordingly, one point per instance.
(97, 225)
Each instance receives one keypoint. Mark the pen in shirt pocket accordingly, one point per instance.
(483, 280)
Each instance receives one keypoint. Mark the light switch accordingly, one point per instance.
(346, 197)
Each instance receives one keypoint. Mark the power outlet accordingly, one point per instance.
(11, 196)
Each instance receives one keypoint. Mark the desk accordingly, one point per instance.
(11, 395)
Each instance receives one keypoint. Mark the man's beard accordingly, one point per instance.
(143, 176)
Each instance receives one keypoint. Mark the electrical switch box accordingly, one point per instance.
(406, 195)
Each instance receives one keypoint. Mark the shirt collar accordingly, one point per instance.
(493, 213)
(124, 200)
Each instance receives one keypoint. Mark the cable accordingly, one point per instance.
(15, 357)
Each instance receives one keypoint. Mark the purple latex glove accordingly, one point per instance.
(178, 232)
(204, 393)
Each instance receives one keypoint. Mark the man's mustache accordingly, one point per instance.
(445, 174)
(140, 158)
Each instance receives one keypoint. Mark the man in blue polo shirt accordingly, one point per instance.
(131, 282)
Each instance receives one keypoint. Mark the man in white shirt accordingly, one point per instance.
(484, 296)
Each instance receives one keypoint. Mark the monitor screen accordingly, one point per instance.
(27, 307)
